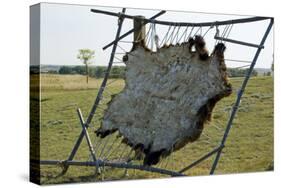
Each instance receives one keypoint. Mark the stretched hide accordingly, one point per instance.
(168, 96)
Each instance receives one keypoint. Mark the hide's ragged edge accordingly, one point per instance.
(204, 113)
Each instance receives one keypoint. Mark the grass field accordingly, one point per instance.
(249, 147)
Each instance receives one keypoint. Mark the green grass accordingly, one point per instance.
(249, 147)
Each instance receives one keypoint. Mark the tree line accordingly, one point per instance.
(119, 71)
(234, 72)
(93, 71)
(86, 55)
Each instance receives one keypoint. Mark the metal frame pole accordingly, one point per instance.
(114, 165)
(239, 96)
(206, 156)
(91, 115)
(238, 42)
(202, 24)
(88, 139)
(133, 30)
(102, 87)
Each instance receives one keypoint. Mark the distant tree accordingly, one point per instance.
(91, 71)
(254, 73)
(234, 72)
(79, 70)
(65, 70)
(52, 72)
(117, 72)
(99, 71)
(85, 55)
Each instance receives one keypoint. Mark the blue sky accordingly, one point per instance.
(67, 28)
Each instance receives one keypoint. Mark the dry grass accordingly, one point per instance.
(68, 82)
(249, 147)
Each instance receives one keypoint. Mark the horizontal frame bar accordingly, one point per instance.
(202, 24)
(112, 13)
(238, 42)
(245, 66)
(111, 164)
(238, 60)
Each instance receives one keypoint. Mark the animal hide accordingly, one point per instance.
(168, 96)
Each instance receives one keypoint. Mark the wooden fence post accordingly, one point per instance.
(139, 34)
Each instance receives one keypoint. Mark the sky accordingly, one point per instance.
(64, 29)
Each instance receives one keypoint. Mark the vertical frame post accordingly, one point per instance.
(239, 96)
(102, 87)
(100, 92)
